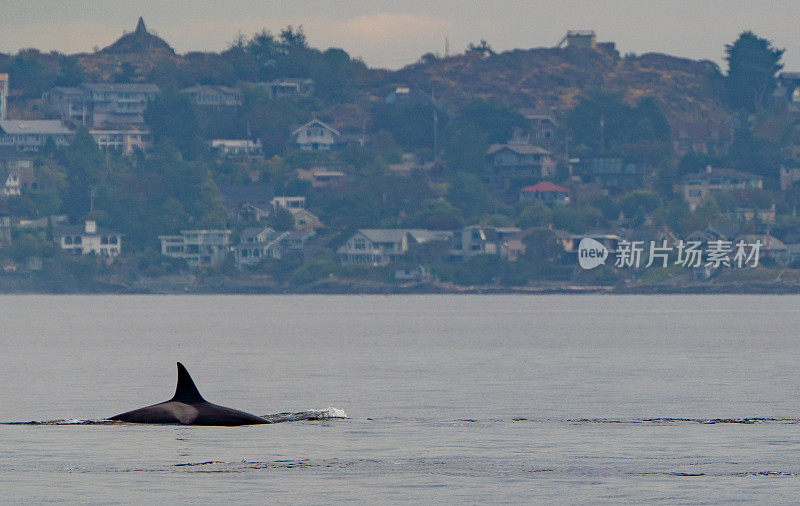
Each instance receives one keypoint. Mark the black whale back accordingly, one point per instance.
(186, 391)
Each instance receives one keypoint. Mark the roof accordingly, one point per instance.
(521, 149)
(384, 234)
(12, 153)
(236, 196)
(211, 89)
(315, 122)
(770, 242)
(251, 232)
(422, 235)
(62, 230)
(721, 172)
(235, 143)
(545, 186)
(132, 87)
(35, 126)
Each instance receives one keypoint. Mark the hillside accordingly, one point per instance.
(556, 78)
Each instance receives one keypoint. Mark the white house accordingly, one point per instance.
(97, 104)
(479, 240)
(200, 248)
(125, 139)
(289, 203)
(205, 95)
(257, 244)
(88, 239)
(234, 148)
(376, 246)
(33, 134)
(315, 136)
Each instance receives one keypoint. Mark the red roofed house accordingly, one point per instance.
(546, 192)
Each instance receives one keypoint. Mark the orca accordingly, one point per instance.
(187, 407)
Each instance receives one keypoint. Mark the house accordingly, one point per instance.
(200, 248)
(320, 177)
(753, 214)
(541, 127)
(290, 203)
(616, 174)
(788, 177)
(247, 202)
(88, 239)
(695, 188)
(772, 247)
(486, 240)
(305, 220)
(30, 135)
(377, 246)
(518, 160)
(257, 244)
(237, 148)
(102, 104)
(288, 87)
(315, 136)
(206, 95)
(580, 39)
(702, 137)
(13, 181)
(124, 139)
(16, 171)
(545, 192)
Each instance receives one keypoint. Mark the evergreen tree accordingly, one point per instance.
(752, 65)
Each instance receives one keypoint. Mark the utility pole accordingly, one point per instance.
(435, 126)
(602, 132)
(446, 47)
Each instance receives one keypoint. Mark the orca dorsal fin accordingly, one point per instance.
(186, 391)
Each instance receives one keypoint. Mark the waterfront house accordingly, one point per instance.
(200, 248)
(486, 240)
(88, 239)
(374, 246)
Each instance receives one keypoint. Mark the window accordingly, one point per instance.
(360, 244)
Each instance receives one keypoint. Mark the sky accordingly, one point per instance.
(391, 34)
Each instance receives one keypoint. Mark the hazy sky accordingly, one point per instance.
(395, 33)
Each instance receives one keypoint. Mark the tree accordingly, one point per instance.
(281, 219)
(497, 122)
(483, 49)
(752, 65)
(172, 116)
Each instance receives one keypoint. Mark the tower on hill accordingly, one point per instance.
(139, 41)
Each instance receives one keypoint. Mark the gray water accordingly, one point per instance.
(449, 398)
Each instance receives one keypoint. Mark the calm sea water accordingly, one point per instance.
(449, 398)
